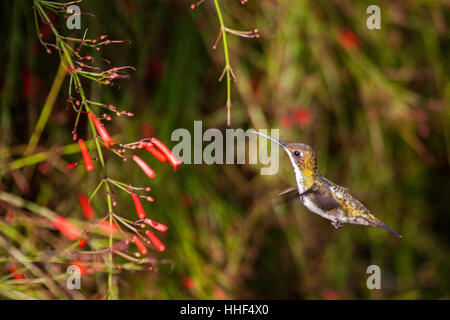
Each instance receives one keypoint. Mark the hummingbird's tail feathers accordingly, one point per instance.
(381, 225)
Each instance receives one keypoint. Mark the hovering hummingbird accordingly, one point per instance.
(322, 196)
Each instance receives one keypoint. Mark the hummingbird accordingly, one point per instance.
(322, 196)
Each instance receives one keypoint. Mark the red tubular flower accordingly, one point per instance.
(141, 247)
(145, 167)
(155, 241)
(88, 211)
(86, 157)
(66, 228)
(174, 161)
(139, 209)
(155, 152)
(158, 226)
(101, 130)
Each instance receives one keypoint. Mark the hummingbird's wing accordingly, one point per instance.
(289, 194)
(326, 202)
(323, 197)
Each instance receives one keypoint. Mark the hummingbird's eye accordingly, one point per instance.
(297, 153)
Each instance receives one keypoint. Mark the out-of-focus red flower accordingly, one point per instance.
(220, 294)
(424, 130)
(140, 245)
(186, 200)
(189, 283)
(129, 6)
(70, 231)
(10, 216)
(155, 241)
(28, 88)
(348, 39)
(155, 69)
(144, 166)
(70, 166)
(255, 86)
(286, 121)
(88, 211)
(82, 241)
(139, 208)
(299, 116)
(44, 167)
(44, 28)
(302, 116)
(105, 226)
(174, 161)
(86, 156)
(158, 226)
(330, 294)
(147, 129)
(13, 270)
(80, 264)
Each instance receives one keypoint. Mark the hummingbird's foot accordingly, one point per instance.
(337, 224)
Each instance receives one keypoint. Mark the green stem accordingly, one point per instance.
(47, 109)
(39, 157)
(22, 203)
(227, 59)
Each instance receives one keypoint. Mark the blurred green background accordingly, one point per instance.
(373, 104)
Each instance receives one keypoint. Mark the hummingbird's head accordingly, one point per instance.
(301, 155)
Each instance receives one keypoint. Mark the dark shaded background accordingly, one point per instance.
(372, 103)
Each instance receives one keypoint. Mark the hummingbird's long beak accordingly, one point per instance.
(282, 144)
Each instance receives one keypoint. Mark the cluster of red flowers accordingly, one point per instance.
(80, 67)
(156, 148)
